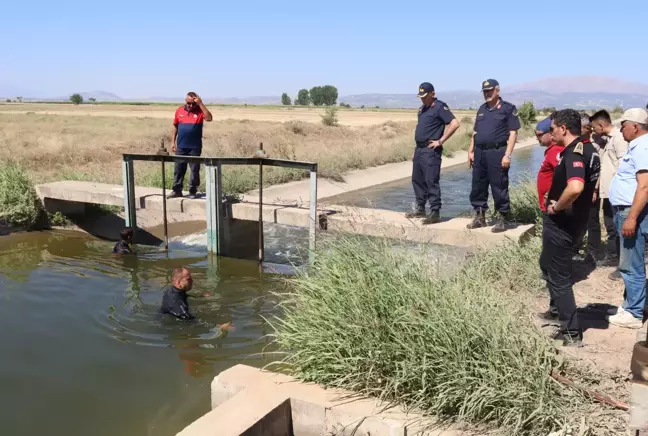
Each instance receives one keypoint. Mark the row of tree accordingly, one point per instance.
(326, 95)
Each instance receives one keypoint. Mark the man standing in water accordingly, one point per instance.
(431, 133)
(125, 242)
(174, 300)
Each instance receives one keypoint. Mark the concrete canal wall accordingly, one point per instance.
(252, 402)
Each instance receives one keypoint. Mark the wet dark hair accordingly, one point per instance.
(177, 273)
(126, 233)
(569, 118)
(192, 94)
(602, 115)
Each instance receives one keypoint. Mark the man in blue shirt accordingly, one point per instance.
(629, 198)
(187, 141)
(430, 135)
(491, 147)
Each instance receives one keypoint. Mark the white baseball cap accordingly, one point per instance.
(635, 115)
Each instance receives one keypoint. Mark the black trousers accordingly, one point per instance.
(613, 245)
(487, 170)
(556, 264)
(180, 169)
(426, 173)
(594, 230)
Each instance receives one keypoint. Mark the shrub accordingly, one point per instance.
(380, 321)
(76, 98)
(527, 114)
(525, 207)
(19, 203)
(330, 116)
(58, 219)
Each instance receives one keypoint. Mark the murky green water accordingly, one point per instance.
(84, 351)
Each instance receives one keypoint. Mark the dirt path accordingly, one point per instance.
(607, 347)
(603, 363)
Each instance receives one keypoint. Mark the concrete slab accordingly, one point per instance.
(385, 223)
(253, 412)
(372, 222)
(319, 411)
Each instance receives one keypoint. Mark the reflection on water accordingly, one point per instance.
(455, 187)
(85, 350)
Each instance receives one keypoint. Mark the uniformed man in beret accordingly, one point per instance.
(431, 133)
(491, 147)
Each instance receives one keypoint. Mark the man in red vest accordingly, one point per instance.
(551, 159)
(187, 141)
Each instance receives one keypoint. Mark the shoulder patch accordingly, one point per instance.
(515, 112)
(446, 108)
(578, 149)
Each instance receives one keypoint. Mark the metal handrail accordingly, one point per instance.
(214, 207)
(213, 161)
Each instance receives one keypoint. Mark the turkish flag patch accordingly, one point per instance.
(579, 165)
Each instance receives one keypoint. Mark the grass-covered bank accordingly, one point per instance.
(380, 322)
(20, 206)
(19, 203)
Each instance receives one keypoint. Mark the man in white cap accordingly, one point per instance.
(629, 199)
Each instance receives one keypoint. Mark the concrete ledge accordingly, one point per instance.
(251, 413)
(385, 223)
(372, 222)
(242, 394)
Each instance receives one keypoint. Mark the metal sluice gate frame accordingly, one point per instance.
(215, 208)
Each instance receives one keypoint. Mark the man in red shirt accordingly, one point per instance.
(551, 159)
(187, 141)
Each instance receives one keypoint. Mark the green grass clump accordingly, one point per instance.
(525, 207)
(19, 203)
(377, 321)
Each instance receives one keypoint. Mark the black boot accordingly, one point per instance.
(569, 339)
(417, 213)
(432, 218)
(478, 221)
(501, 225)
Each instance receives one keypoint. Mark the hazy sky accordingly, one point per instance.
(242, 48)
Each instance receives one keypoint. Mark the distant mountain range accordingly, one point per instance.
(582, 92)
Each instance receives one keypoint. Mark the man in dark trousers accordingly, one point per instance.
(431, 133)
(187, 141)
(568, 208)
(491, 148)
